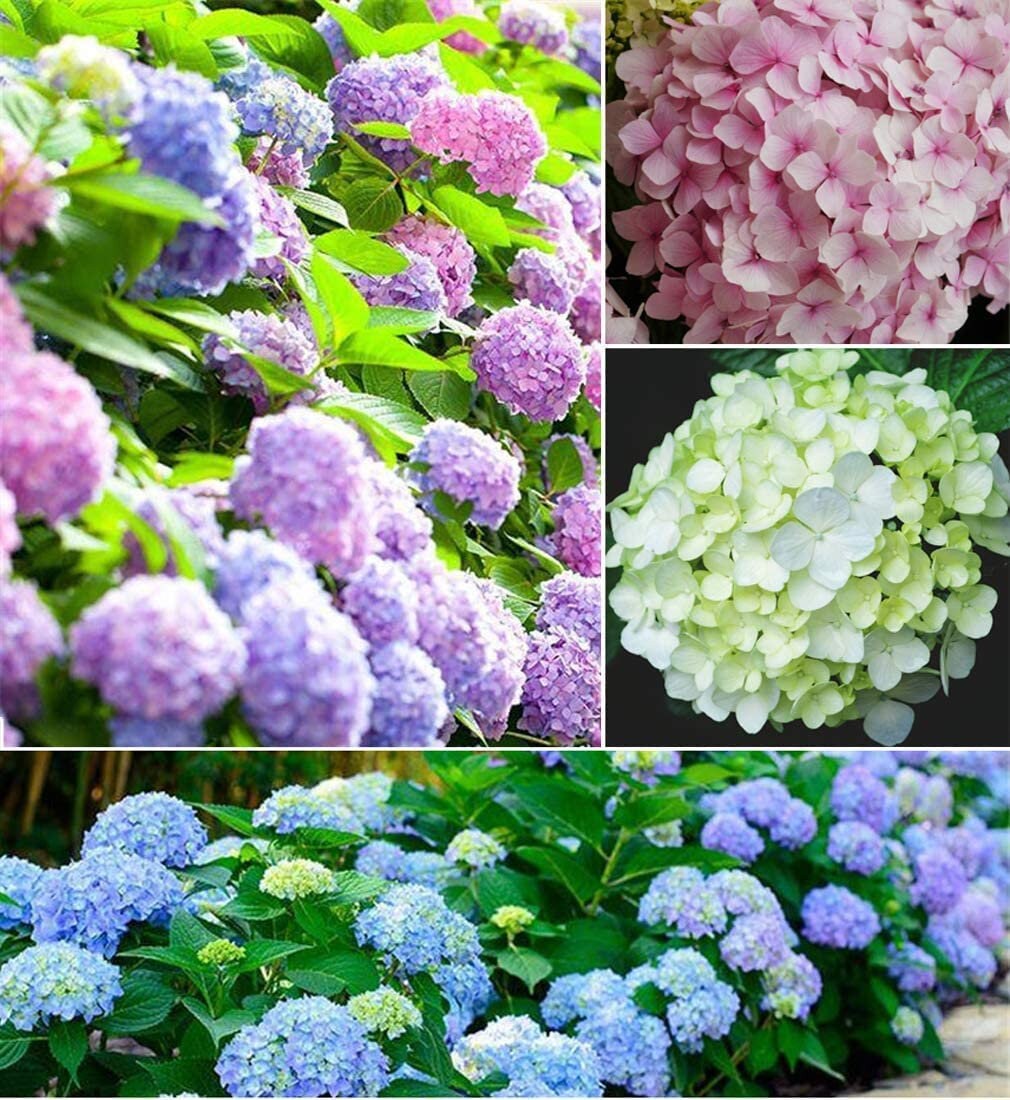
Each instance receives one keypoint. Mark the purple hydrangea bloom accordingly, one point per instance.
(758, 801)
(469, 466)
(448, 249)
(729, 833)
(912, 968)
(569, 601)
(981, 911)
(267, 336)
(576, 996)
(56, 447)
(796, 826)
(743, 895)
(155, 733)
(198, 514)
(280, 169)
(681, 899)
(586, 457)
(757, 942)
(307, 681)
(594, 376)
(277, 216)
(583, 195)
(418, 287)
(93, 902)
(304, 1047)
(382, 600)
(534, 24)
(403, 531)
(858, 795)
(586, 315)
(306, 476)
(158, 647)
(441, 10)
(856, 847)
(588, 43)
(18, 880)
(939, 880)
(577, 530)
(530, 360)
(15, 332)
(541, 278)
(26, 202)
(549, 206)
(152, 825)
(836, 917)
(383, 89)
(333, 35)
(561, 695)
(248, 562)
(792, 988)
(299, 121)
(29, 636)
(408, 706)
(974, 965)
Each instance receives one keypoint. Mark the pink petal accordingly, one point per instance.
(807, 171)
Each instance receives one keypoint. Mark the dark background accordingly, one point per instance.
(649, 392)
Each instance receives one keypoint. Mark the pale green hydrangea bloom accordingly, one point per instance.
(474, 848)
(296, 878)
(85, 69)
(512, 919)
(385, 1011)
(804, 546)
(220, 953)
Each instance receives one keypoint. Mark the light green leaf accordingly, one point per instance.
(320, 205)
(362, 252)
(384, 129)
(482, 223)
(346, 309)
(143, 194)
(564, 466)
(384, 349)
(555, 170)
(372, 204)
(402, 321)
(444, 394)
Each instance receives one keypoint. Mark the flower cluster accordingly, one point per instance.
(534, 24)
(802, 546)
(816, 174)
(297, 121)
(26, 202)
(56, 981)
(296, 878)
(474, 849)
(385, 1011)
(30, 636)
(757, 803)
(448, 249)
(18, 880)
(418, 286)
(382, 859)
(153, 826)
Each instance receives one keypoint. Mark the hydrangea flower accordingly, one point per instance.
(403, 530)
(93, 902)
(541, 278)
(306, 477)
(56, 445)
(382, 601)
(856, 847)
(577, 535)
(594, 376)
(632, 1047)
(18, 879)
(307, 680)
(297, 120)
(15, 332)
(570, 602)
(939, 880)
(561, 693)
(158, 647)
(702, 1006)
(366, 796)
(81, 67)
(333, 35)
(56, 981)
(279, 218)
(384, 860)
(537, 1064)
(530, 360)
(296, 878)
(384, 1010)
(441, 10)
(409, 705)
(29, 636)
(792, 988)
(912, 968)
(858, 795)
(836, 917)
(281, 169)
(294, 807)
(181, 507)
(152, 825)
(448, 249)
(470, 467)
(305, 1047)
(26, 202)
(155, 733)
(512, 919)
(474, 849)
(417, 287)
(681, 899)
(383, 89)
(221, 953)
(534, 24)
(249, 561)
(729, 833)
(756, 942)
(907, 1026)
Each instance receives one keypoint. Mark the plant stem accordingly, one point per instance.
(622, 838)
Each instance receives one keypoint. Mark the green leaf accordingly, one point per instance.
(441, 394)
(372, 204)
(219, 1027)
(328, 973)
(263, 952)
(362, 252)
(188, 933)
(651, 808)
(180, 1075)
(649, 998)
(482, 223)
(560, 866)
(15, 44)
(564, 466)
(144, 1003)
(253, 906)
(551, 564)
(555, 170)
(319, 205)
(529, 966)
(384, 129)
(351, 887)
(401, 321)
(562, 74)
(467, 76)
(187, 51)
(142, 194)
(236, 818)
(976, 381)
(813, 1054)
(319, 838)
(763, 1053)
(563, 807)
(305, 53)
(703, 775)
(346, 309)
(191, 311)
(383, 349)
(362, 38)
(385, 421)
(68, 1043)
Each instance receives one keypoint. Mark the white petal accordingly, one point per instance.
(792, 546)
(807, 594)
(753, 710)
(910, 656)
(627, 600)
(889, 722)
(851, 540)
(705, 476)
(828, 567)
(883, 672)
(680, 685)
(959, 658)
(851, 471)
(877, 491)
(821, 509)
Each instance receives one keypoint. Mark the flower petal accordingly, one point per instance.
(792, 546)
(821, 509)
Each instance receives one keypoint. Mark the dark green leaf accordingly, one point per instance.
(68, 1042)
(564, 466)
(372, 204)
(145, 1002)
(527, 965)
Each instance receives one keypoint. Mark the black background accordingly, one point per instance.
(649, 391)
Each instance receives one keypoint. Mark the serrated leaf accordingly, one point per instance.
(12, 1051)
(441, 394)
(381, 418)
(68, 1043)
(142, 194)
(236, 818)
(383, 349)
(346, 310)
(529, 966)
(372, 204)
(482, 223)
(219, 1027)
(564, 466)
(144, 1003)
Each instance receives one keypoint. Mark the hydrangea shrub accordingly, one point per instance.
(256, 281)
(528, 925)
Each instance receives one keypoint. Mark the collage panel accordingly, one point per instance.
(553, 923)
(300, 386)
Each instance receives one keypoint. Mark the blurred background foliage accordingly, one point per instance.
(48, 799)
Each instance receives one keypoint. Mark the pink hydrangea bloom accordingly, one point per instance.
(441, 10)
(26, 203)
(816, 170)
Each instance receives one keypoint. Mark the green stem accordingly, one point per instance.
(622, 838)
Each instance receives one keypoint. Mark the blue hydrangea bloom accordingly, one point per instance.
(537, 1064)
(792, 988)
(366, 796)
(836, 917)
(152, 825)
(757, 942)
(742, 894)
(18, 880)
(249, 561)
(381, 599)
(939, 880)
(729, 833)
(856, 847)
(94, 901)
(389, 861)
(305, 1047)
(408, 705)
(682, 899)
(236, 82)
(56, 981)
(295, 807)
(631, 1046)
(796, 826)
(155, 733)
(702, 1005)
(573, 996)
(281, 108)
(333, 35)
(858, 795)
(912, 968)
(974, 965)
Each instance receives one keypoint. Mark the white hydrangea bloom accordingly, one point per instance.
(803, 546)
